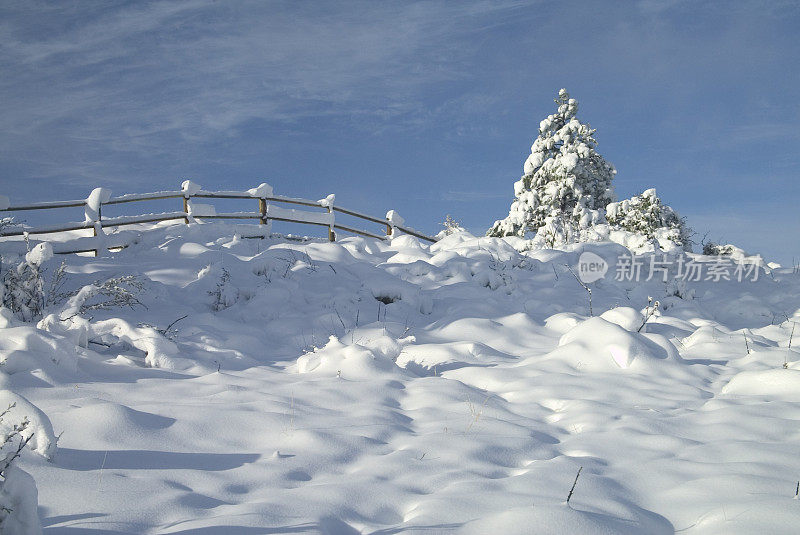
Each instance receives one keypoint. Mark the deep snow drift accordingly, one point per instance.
(364, 386)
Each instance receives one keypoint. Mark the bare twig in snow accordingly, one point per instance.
(649, 312)
(569, 496)
(475, 412)
(585, 287)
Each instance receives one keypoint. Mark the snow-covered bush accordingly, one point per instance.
(114, 292)
(12, 439)
(68, 321)
(451, 226)
(19, 498)
(22, 289)
(734, 254)
(566, 184)
(646, 215)
(225, 294)
(715, 249)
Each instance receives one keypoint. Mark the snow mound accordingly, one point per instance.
(24, 349)
(354, 362)
(628, 318)
(706, 334)
(756, 515)
(563, 321)
(433, 359)
(19, 499)
(383, 345)
(557, 520)
(112, 422)
(777, 383)
(598, 344)
(388, 290)
(44, 440)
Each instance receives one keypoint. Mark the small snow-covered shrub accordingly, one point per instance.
(12, 440)
(646, 215)
(387, 299)
(678, 288)
(19, 498)
(114, 292)
(451, 226)
(39, 435)
(225, 294)
(22, 289)
(55, 292)
(715, 249)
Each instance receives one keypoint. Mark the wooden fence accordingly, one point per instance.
(191, 212)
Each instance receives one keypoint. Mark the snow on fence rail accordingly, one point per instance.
(191, 212)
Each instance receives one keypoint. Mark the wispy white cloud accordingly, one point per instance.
(210, 65)
(110, 82)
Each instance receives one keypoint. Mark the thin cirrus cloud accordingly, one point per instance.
(131, 75)
(199, 64)
(98, 90)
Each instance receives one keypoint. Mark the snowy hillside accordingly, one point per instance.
(283, 386)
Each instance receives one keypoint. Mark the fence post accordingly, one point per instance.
(394, 220)
(262, 209)
(262, 192)
(92, 212)
(188, 188)
(331, 231)
(327, 202)
(94, 229)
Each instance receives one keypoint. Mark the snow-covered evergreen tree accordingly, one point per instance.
(566, 184)
(645, 214)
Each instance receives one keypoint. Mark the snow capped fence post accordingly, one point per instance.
(327, 202)
(93, 213)
(262, 192)
(394, 220)
(188, 188)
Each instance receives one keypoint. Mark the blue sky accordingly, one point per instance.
(428, 108)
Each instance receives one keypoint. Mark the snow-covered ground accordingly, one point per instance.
(372, 387)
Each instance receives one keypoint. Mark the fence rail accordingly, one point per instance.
(192, 212)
